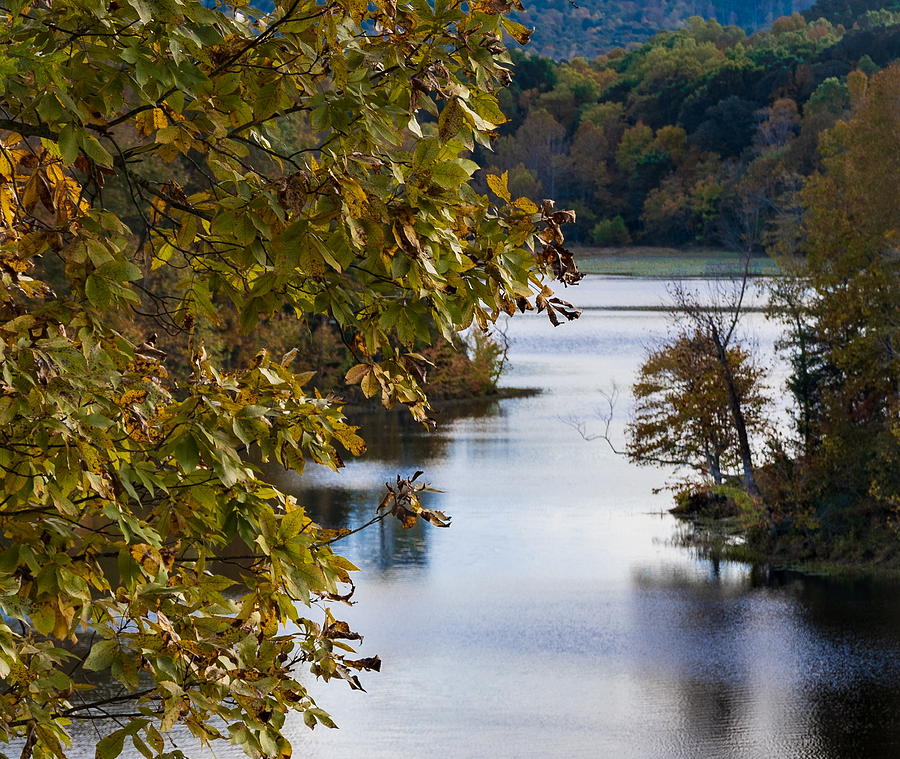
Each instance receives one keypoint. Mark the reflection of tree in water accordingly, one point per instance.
(395, 438)
(690, 626)
(855, 706)
(808, 665)
(397, 445)
(866, 604)
(383, 545)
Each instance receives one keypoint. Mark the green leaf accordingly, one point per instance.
(451, 120)
(111, 746)
(97, 420)
(144, 10)
(98, 292)
(142, 746)
(68, 143)
(96, 151)
(101, 656)
(266, 101)
(187, 454)
(120, 271)
(426, 153)
(44, 620)
(449, 174)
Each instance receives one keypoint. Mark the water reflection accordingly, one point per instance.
(771, 663)
(395, 444)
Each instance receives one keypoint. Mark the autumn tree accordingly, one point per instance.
(779, 123)
(682, 413)
(851, 316)
(634, 146)
(539, 143)
(327, 181)
(717, 322)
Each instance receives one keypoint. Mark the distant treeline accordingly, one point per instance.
(702, 135)
(565, 30)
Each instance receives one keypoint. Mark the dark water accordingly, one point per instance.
(557, 617)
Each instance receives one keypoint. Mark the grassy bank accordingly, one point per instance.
(638, 261)
(721, 538)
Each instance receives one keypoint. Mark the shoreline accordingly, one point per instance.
(714, 539)
(670, 263)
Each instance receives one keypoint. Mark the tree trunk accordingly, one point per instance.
(737, 413)
(713, 467)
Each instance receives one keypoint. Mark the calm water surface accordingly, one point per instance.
(557, 617)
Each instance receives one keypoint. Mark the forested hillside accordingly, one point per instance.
(702, 135)
(564, 30)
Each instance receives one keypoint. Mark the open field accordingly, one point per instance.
(646, 261)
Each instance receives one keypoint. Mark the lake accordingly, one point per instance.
(558, 616)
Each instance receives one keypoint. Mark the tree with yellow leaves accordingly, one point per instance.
(317, 171)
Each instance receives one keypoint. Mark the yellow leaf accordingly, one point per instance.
(499, 185)
(356, 373)
(147, 122)
(143, 122)
(161, 257)
(355, 197)
(31, 195)
(54, 174)
(188, 231)
(7, 212)
(64, 616)
(409, 233)
(340, 561)
(159, 118)
(524, 204)
(350, 440)
(357, 9)
(369, 385)
(517, 31)
(148, 557)
(6, 166)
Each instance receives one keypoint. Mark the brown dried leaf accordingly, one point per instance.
(356, 373)
(370, 664)
(339, 630)
(345, 674)
(563, 217)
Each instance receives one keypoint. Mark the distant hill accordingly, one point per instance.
(565, 30)
(701, 135)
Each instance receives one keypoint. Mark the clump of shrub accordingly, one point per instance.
(470, 367)
(708, 502)
(610, 232)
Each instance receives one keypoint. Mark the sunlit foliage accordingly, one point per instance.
(326, 179)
